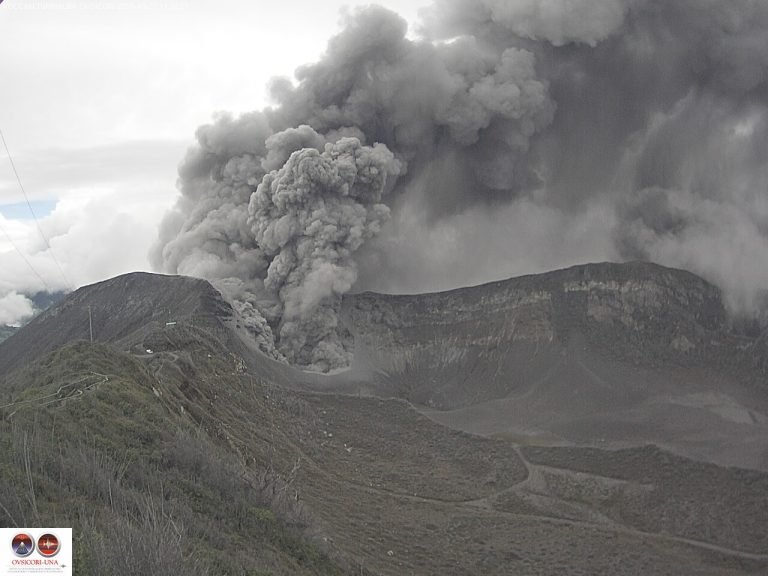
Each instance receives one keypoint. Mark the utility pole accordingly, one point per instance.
(90, 322)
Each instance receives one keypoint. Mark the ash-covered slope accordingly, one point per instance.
(7, 332)
(622, 354)
(637, 311)
(122, 310)
(594, 357)
(627, 353)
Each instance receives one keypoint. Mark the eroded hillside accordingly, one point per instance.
(498, 429)
(608, 354)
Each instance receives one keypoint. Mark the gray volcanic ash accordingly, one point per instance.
(515, 136)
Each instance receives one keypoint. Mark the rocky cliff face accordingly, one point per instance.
(489, 337)
(627, 353)
(613, 354)
(636, 311)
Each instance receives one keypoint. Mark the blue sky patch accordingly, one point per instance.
(20, 210)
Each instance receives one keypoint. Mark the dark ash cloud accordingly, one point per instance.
(518, 135)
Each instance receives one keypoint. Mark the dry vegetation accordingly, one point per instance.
(182, 461)
(148, 490)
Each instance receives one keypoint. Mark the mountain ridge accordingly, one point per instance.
(512, 436)
(638, 312)
(628, 353)
(126, 307)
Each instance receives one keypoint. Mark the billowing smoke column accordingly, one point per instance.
(518, 136)
(277, 233)
(309, 217)
(658, 146)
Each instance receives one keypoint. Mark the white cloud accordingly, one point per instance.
(59, 172)
(14, 308)
(98, 107)
(95, 232)
(109, 201)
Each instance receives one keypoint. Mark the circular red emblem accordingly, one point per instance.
(48, 545)
(22, 545)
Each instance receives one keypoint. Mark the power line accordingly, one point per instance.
(37, 222)
(35, 272)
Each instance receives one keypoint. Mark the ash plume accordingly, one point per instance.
(513, 137)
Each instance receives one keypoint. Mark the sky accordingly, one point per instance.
(99, 100)
(528, 135)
